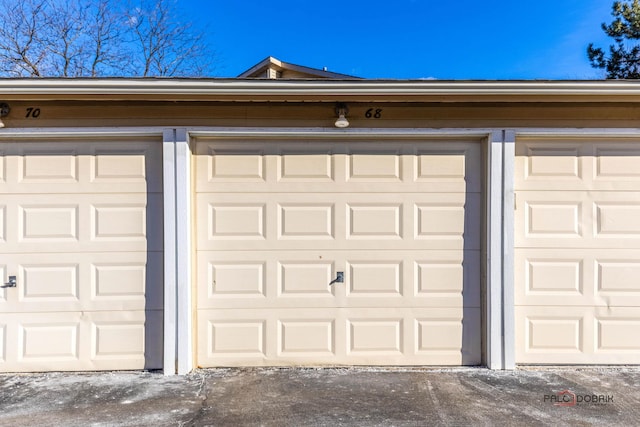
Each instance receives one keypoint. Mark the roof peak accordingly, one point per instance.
(273, 68)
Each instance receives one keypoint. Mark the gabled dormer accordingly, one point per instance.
(272, 68)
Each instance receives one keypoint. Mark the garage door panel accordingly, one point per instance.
(55, 341)
(292, 167)
(86, 167)
(581, 164)
(362, 337)
(550, 219)
(561, 334)
(3, 224)
(373, 164)
(444, 278)
(617, 162)
(371, 279)
(442, 165)
(82, 341)
(614, 330)
(311, 337)
(228, 167)
(586, 277)
(51, 222)
(261, 279)
(129, 281)
(577, 219)
(444, 221)
(40, 163)
(291, 221)
(617, 217)
(375, 278)
(124, 165)
(119, 221)
(316, 164)
(552, 278)
(538, 164)
(95, 222)
(83, 281)
(578, 335)
(306, 219)
(425, 278)
(126, 340)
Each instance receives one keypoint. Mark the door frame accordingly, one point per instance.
(496, 145)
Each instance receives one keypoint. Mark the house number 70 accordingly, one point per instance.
(32, 113)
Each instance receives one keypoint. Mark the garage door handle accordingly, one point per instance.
(339, 278)
(11, 283)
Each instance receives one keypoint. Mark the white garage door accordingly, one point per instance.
(577, 251)
(278, 222)
(81, 232)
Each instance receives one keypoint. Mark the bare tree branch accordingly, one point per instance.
(66, 38)
(105, 28)
(22, 49)
(93, 38)
(168, 46)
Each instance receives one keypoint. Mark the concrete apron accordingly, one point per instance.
(325, 397)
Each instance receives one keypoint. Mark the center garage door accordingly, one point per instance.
(81, 230)
(277, 222)
(577, 251)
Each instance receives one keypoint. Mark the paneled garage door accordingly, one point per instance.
(312, 252)
(81, 232)
(577, 251)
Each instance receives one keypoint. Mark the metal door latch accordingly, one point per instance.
(11, 283)
(339, 278)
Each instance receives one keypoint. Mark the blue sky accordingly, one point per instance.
(408, 39)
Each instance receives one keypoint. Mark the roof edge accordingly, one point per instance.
(300, 90)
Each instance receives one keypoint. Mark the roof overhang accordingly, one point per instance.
(319, 90)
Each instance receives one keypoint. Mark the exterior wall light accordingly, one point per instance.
(4, 112)
(342, 111)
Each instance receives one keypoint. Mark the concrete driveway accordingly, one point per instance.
(325, 397)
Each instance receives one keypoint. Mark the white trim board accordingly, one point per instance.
(508, 250)
(494, 232)
(184, 227)
(268, 133)
(170, 273)
(80, 132)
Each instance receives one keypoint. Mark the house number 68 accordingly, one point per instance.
(375, 113)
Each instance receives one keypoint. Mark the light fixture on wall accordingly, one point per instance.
(341, 112)
(4, 112)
